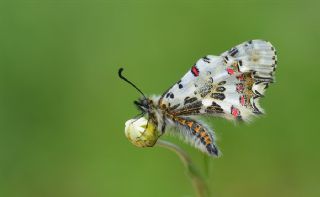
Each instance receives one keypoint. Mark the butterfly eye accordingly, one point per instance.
(145, 103)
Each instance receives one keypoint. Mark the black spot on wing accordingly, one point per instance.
(240, 62)
(189, 100)
(233, 52)
(170, 94)
(264, 79)
(180, 86)
(206, 59)
(220, 89)
(174, 107)
(258, 93)
(225, 59)
(190, 109)
(255, 109)
(214, 104)
(214, 108)
(222, 82)
(219, 96)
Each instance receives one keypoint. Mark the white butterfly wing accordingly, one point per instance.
(228, 85)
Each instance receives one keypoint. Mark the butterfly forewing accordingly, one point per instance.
(228, 85)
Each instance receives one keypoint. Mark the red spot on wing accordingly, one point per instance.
(242, 100)
(230, 71)
(240, 77)
(235, 112)
(195, 71)
(239, 87)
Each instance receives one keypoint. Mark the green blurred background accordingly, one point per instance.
(63, 108)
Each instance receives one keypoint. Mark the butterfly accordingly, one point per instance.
(229, 86)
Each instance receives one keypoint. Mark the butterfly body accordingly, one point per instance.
(228, 86)
(166, 120)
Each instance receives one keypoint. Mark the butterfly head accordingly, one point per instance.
(142, 104)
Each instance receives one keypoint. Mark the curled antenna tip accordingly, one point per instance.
(125, 79)
(120, 72)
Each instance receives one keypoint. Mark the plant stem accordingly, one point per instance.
(197, 180)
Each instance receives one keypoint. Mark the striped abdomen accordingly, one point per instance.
(201, 136)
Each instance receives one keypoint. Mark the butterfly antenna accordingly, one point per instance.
(125, 79)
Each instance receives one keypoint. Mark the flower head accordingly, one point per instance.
(141, 133)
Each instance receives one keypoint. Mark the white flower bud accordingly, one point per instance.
(141, 133)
